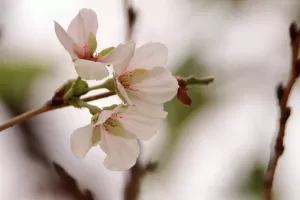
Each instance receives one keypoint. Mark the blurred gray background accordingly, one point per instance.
(216, 149)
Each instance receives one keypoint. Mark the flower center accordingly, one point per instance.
(126, 80)
(87, 55)
(113, 126)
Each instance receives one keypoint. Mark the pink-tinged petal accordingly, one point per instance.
(84, 23)
(120, 57)
(149, 55)
(81, 140)
(158, 87)
(65, 40)
(90, 70)
(122, 153)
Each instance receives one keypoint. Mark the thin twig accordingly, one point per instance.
(46, 108)
(283, 94)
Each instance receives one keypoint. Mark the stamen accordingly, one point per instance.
(125, 79)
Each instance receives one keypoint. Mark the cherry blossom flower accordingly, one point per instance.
(141, 78)
(116, 132)
(80, 38)
(144, 80)
(80, 41)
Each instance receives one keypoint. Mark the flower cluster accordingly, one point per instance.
(139, 79)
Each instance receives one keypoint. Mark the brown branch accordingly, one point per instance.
(49, 106)
(70, 186)
(283, 94)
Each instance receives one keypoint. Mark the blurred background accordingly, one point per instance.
(216, 149)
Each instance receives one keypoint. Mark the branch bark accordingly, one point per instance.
(49, 106)
(283, 94)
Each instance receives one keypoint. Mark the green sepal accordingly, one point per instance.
(80, 88)
(78, 103)
(92, 42)
(105, 51)
(75, 103)
(110, 107)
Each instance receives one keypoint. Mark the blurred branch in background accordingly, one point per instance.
(283, 94)
(136, 173)
(69, 185)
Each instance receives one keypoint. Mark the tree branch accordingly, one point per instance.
(283, 94)
(49, 106)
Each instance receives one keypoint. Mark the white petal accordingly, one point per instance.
(65, 39)
(104, 115)
(120, 57)
(123, 93)
(90, 70)
(153, 111)
(84, 23)
(142, 127)
(122, 153)
(158, 87)
(136, 122)
(149, 55)
(81, 140)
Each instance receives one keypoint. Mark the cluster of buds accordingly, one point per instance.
(137, 75)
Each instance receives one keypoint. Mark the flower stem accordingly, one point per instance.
(108, 84)
(20, 118)
(191, 80)
(93, 109)
(96, 87)
(46, 108)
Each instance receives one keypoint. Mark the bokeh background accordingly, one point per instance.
(216, 149)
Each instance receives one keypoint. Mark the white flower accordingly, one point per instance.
(144, 80)
(80, 41)
(141, 77)
(116, 131)
(81, 29)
